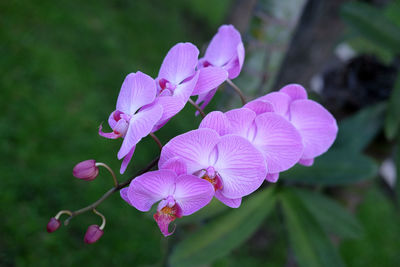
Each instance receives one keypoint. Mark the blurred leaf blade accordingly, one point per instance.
(225, 233)
(330, 215)
(368, 121)
(392, 120)
(310, 244)
(337, 167)
(372, 24)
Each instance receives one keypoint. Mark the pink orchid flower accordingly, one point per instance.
(223, 59)
(317, 127)
(176, 80)
(230, 163)
(130, 121)
(179, 194)
(275, 137)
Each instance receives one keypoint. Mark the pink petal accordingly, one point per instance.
(193, 147)
(232, 203)
(175, 164)
(240, 165)
(185, 89)
(111, 120)
(217, 121)
(126, 160)
(179, 63)
(151, 187)
(171, 106)
(235, 65)
(204, 99)
(209, 78)
(124, 195)
(295, 91)
(140, 126)
(163, 220)
(272, 177)
(279, 142)
(192, 193)
(280, 102)
(241, 121)
(316, 126)
(110, 135)
(306, 162)
(223, 46)
(138, 89)
(260, 107)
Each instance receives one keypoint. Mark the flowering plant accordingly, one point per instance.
(230, 156)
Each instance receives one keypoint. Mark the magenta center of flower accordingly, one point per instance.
(165, 87)
(213, 177)
(122, 120)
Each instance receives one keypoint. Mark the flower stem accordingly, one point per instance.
(111, 191)
(197, 107)
(110, 171)
(103, 219)
(155, 138)
(238, 91)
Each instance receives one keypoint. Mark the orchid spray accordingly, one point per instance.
(228, 157)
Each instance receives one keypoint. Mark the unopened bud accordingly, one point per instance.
(53, 225)
(93, 234)
(86, 170)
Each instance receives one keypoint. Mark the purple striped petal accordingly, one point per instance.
(140, 126)
(179, 63)
(223, 46)
(306, 162)
(280, 102)
(151, 187)
(124, 195)
(204, 99)
(175, 164)
(295, 91)
(278, 140)
(217, 121)
(192, 193)
(240, 165)
(126, 160)
(241, 120)
(209, 78)
(316, 126)
(272, 177)
(138, 89)
(193, 147)
(232, 203)
(260, 107)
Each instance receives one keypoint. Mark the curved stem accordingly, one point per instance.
(61, 212)
(110, 192)
(155, 138)
(103, 219)
(197, 107)
(238, 91)
(110, 171)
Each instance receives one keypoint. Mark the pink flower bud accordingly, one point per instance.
(53, 225)
(86, 170)
(93, 234)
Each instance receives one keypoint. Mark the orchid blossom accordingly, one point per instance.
(230, 163)
(276, 138)
(223, 59)
(130, 120)
(179, 194)
(317, 127)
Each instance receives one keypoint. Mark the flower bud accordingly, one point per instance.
(53, 225)
(93, 234)
(86, 170)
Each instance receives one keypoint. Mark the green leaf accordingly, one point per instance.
(330, 215)
(357, 131)
(336, 167)
(310, 244)
(392, 122)
(227, 232)
(372, 24)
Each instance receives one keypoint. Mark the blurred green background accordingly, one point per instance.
(62, 65)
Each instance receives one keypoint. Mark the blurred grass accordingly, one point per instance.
(62, 64)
